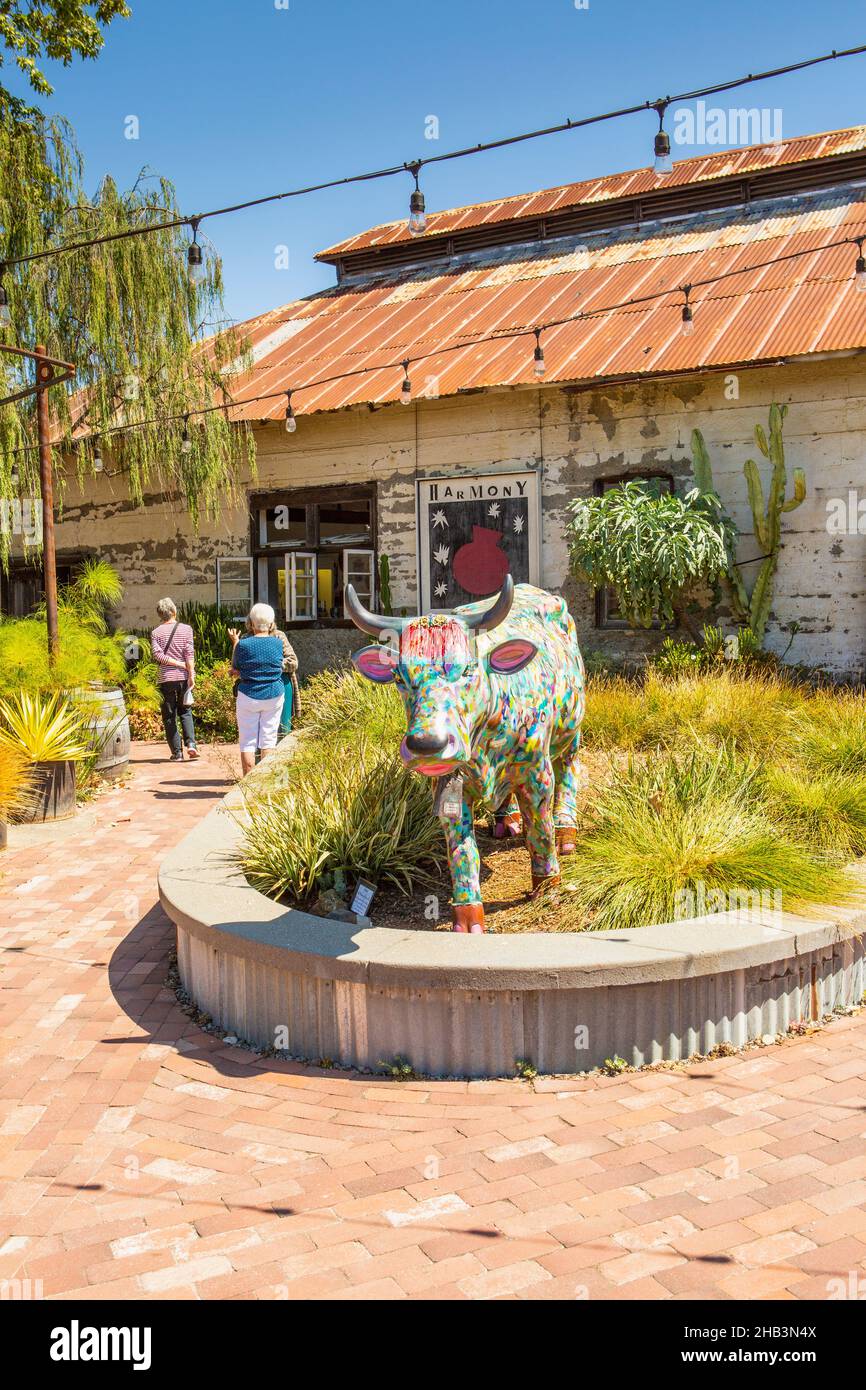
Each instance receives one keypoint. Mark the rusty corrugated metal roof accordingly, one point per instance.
(632, 183)
(790, 308)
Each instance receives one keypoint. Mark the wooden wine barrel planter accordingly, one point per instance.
(109, 729)
(51, 794)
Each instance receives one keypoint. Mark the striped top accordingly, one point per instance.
(179, 649)
(259, 663)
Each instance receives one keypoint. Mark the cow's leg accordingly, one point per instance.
(568, 781)
(467, 909)
(536, 802)
(507, 818)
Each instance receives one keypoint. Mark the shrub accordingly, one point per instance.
(675, 827)
(359, 816)
(15, 779)
(210, 624)
(83, 656)
(214, 708)
(651, 546)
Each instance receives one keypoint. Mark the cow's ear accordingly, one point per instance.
(512, 655)
(374, 663)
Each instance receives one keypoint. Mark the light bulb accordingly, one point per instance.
(860, 274)
(540, 366)
(291, 422)
(406, 390)
(97, 459)
(195, 263)
(186, 442)
(688, 324)
(417, 213)
(13, 476)
(662, 150)
(5, 315)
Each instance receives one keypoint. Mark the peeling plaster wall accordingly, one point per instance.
(573, 436)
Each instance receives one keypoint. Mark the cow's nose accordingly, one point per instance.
(426, 743)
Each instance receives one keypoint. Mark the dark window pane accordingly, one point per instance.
(345, 523)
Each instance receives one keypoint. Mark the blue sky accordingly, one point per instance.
(237, 98)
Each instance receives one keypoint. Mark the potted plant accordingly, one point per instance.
(47, 731)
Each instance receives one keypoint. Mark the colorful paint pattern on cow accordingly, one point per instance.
(494, 698)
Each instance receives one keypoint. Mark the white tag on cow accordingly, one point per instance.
(450, 798)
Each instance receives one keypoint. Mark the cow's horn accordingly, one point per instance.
(366, 621)
(497, 612)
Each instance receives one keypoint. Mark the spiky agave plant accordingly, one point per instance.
(46, 728)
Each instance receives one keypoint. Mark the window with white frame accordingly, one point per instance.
(308, 544)
(234, 583)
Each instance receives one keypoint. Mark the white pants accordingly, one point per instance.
(258, 722)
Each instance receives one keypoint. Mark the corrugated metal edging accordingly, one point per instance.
(483, 1032)
(632, 183)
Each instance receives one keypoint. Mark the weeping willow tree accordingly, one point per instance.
(126, 313)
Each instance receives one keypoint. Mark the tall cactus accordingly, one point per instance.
(703, 470)
(754, 609)
(385, 596)
(767, 516)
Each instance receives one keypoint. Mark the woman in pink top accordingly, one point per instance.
(172, 646)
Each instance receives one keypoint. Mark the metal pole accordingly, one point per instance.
(44, 378)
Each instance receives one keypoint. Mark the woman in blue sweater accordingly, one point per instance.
(258, 660)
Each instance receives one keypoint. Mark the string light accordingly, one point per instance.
(688, 319)
(185, 442)
(98, 465)
(498, 335)
(540, 366)
(417, 223)
(688, 324)
(860, 267)
(5, 314)
(291, 422)
(662, 144)
(482, 147)
(194, 258)
(406, 389)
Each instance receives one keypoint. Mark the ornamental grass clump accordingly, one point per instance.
(344, 705)
(677, 836)
(828, 733)
(357, 814)
(826, 810)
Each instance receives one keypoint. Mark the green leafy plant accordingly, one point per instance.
(341, 705)
(651, 547)
(398, 1069)
(385, 595)
(826, 810)
(614, 1066)
(210, 623)
(83, 657)
(214, 708)
(526, 1070)
(48, 729)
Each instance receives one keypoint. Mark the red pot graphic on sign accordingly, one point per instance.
(480, 566)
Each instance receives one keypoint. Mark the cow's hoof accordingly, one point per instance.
(468, 917)
(540, 886)
(566, 839)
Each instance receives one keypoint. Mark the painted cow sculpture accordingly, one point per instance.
(494, 699)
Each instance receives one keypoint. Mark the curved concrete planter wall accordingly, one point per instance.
(470, 1005)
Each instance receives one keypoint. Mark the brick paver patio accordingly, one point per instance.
(141, 1158)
